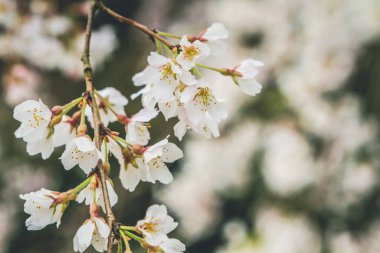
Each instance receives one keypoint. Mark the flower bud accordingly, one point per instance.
(82, 129)
(106, 167)
(55, 120)
(57, 110)
(123, 119)
(94, 210)
(138, 149)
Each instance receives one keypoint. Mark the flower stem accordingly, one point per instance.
(128, 228)
(105, 102)
(82, 185)
(210, 68)
(196, 71)
(125, 239)
(83, 114)
(131, 235)
(169, 35)
(71, 105)
(88, 76)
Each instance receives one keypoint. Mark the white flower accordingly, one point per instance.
(172, 246)
(39, 205)
(93, 231)
(156, 225)
(64, 132)
(202, 107)
(215, 32)
(245, 77)
(34, 117)
(213, 36)
(81, 150)
(45, 146)
(115, 99)
(137, 130)
(191, 52)
(93, 192)
(155, 158)
(163, 75)
(130, 175)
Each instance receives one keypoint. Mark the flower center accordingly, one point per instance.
(190, 52)
(167, 71)
(149, 227)
(37, 118)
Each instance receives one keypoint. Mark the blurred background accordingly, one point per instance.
(297, 167)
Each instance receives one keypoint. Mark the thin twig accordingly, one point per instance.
(87, 72)
(149, 31)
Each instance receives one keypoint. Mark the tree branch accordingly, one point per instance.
(149, 31)
(88, 76)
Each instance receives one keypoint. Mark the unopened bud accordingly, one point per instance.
(123, 119)
(94, 210)
(138, 149)
(55, 120)
(56, 110)
(106, 167)
(82, 129)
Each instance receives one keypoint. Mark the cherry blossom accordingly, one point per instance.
(156, 225)
(172, 245)
(42, 212)
(136, 128)
(94, 231)
(82, 151)
(215, 32)
(213, 36)
(191, 52)
(155, 158)
(113, 98)
(34, 117)
(93, 192)
(202, 107)
(244, 76)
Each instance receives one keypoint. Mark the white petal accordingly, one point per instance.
(215, 32)
(172, 246)
(102, 227)
(159, 171)
(187, 78)
(145, 115)
(84, 144)
(171, 153)
(248, 68)
(180, 129)
(250, 86)
(129, 176)
(157, 60)
(84, 235)
(185, 63)
(169, 108)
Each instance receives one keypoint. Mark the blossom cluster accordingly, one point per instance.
(174, 86)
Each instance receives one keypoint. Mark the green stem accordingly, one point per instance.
(82, 185)
(105, 152)
(119, 247)
(71, 105)
(169, 35)
(105, 102)
(196, 70)
(83, 114)
(158, 46)
(128, 228)
(129, 234)
(125, 241)
(210, 68)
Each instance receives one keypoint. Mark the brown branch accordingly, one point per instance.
(149, 31)
(87, 72)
